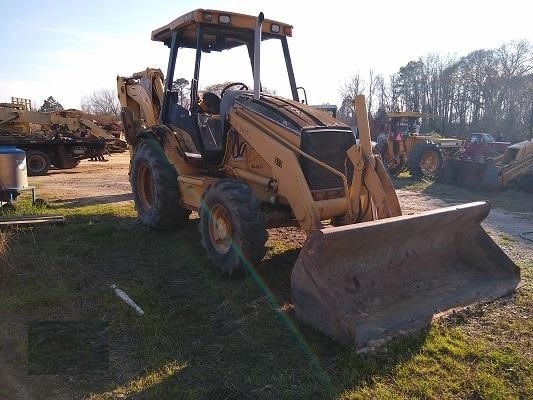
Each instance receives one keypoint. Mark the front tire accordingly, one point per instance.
(154, 183)
(425, 161)
(395, 168)
(232, 226)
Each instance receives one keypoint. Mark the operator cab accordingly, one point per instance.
(406, 122)
(207, 31)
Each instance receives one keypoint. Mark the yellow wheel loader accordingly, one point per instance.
(247, 161)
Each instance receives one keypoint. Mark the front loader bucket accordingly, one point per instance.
(471, 174)
(361, 284)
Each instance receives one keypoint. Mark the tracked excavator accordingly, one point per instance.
(247, 161)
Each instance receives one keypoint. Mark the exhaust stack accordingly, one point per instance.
(257, 55)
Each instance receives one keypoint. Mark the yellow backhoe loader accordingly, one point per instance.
(247, 161)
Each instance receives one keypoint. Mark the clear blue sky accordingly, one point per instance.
(69, 49)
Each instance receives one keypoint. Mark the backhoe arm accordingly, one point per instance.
(370, 182)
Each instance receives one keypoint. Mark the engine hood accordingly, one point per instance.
(291, 114)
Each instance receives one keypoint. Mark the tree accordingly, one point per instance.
(50, 105)
(353, 87)
(381, 93)
(180, 87)
(101, 102)
(372, 83)
(488, 90)
(216, 88)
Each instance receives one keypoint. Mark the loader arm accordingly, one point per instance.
(370, 180)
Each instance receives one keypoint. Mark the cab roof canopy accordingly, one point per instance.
(222, 30)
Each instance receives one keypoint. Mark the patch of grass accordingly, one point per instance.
(206, 336)
(450, 364)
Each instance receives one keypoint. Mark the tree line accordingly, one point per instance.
(99, 102)
(484, 91)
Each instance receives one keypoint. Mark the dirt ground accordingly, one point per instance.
(90, 182)
(107, 182)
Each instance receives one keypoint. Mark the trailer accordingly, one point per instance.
(60, 152)
(60, 139)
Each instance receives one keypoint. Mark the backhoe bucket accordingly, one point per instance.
(364, 283)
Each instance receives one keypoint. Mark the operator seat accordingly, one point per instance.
(180, 117)
(208, 122)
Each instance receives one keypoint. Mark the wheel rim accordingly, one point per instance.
(146, 186)
(36, 163)
(429, 163)
(220, 229)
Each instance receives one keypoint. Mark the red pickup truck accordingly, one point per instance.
(480, 146)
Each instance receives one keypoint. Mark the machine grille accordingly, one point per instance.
(329, 146)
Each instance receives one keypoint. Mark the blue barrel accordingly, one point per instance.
(13, 171)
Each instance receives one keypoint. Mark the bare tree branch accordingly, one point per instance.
(101, 102)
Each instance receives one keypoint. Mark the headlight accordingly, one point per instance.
(274, 28)
(224, 19)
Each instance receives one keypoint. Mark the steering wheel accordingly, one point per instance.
(241, 85)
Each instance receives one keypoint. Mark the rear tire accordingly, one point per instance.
(232, 226)
(37, 162)
(425, 161)
(154, 183)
